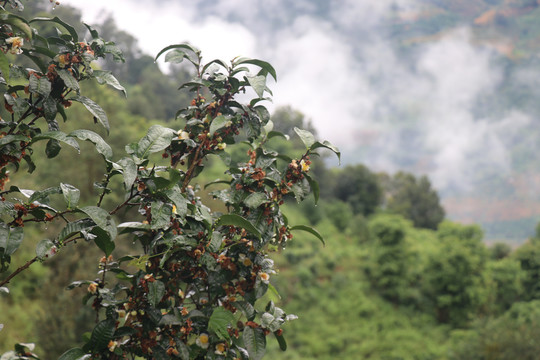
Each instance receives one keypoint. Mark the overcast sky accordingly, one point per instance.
(336, 67)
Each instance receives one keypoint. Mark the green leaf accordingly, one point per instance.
(161, 214)
(215, 61)
(262, 64)
(19, 22)
(255, 342)
(310, 230)
(175, 56)
(258, 83)
(41, 86)
(238, 221)
(156, 291)
(103, 240)
(129, 171)
(178, 199)
(101, 146)
(101, 218)
(219, 122)
(256, 199)
(50, 109)
(69, 80)
(4, 66)
(71, 195)
(43, 195)
(219, 322)
(106, 77)
(273, 133)
(93, 32)
(52, 149)
(10, 239)
(314, 187)
(44, 249)
(327, 145)
(68, 27)
(281, 341)
(179, 46)
(215, 243)
(12, 138)
(157, 139)
(307, 138)
(58, 136)
(182, 349)
(94, 109)
(75, 227)
(101, 335)
(72, 354)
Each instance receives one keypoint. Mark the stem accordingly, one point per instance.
(16, 272)
(107, 180)
(131, 197)
(28, 263)
(189, 173)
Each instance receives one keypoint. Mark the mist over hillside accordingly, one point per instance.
(447, 89)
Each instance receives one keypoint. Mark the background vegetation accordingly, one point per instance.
(395, 280)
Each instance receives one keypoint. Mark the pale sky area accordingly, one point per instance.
(336, 67)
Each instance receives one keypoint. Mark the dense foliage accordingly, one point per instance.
(386, 286)
(192, 283)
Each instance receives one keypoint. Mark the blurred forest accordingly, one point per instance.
(396, 280)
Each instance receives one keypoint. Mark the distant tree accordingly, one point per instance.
(514, 335)
(415, 199)
(388, 265)
(528, 256)
(507, 277)
(500, 251)
(358, 186)
(454, 278)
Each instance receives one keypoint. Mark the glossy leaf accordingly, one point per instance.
(258, 83)
(327, 145)
(218, 123)
(101, 218)
(281, 341)
(310, 230)
(72, 354)
(256, 199)
(94, 109)
(106, 77)
(129, 170)
(55, 19)
(307, 138)
(41, 86)
(178, 46)
(262, 64)
(4, 66)
(156, 291)
(75, 227)
(10, 239)
(255, 342)
(68, 79)
(71, 195)
(238, 221)
(101, 146)
(44, 249)
(101, 335)
(43, 195)
(314, 187)
(219, 322)
(157, 139)
(58, 136)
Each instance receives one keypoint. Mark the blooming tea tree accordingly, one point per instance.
(193, 287)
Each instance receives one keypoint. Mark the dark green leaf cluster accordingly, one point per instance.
(199, 284)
